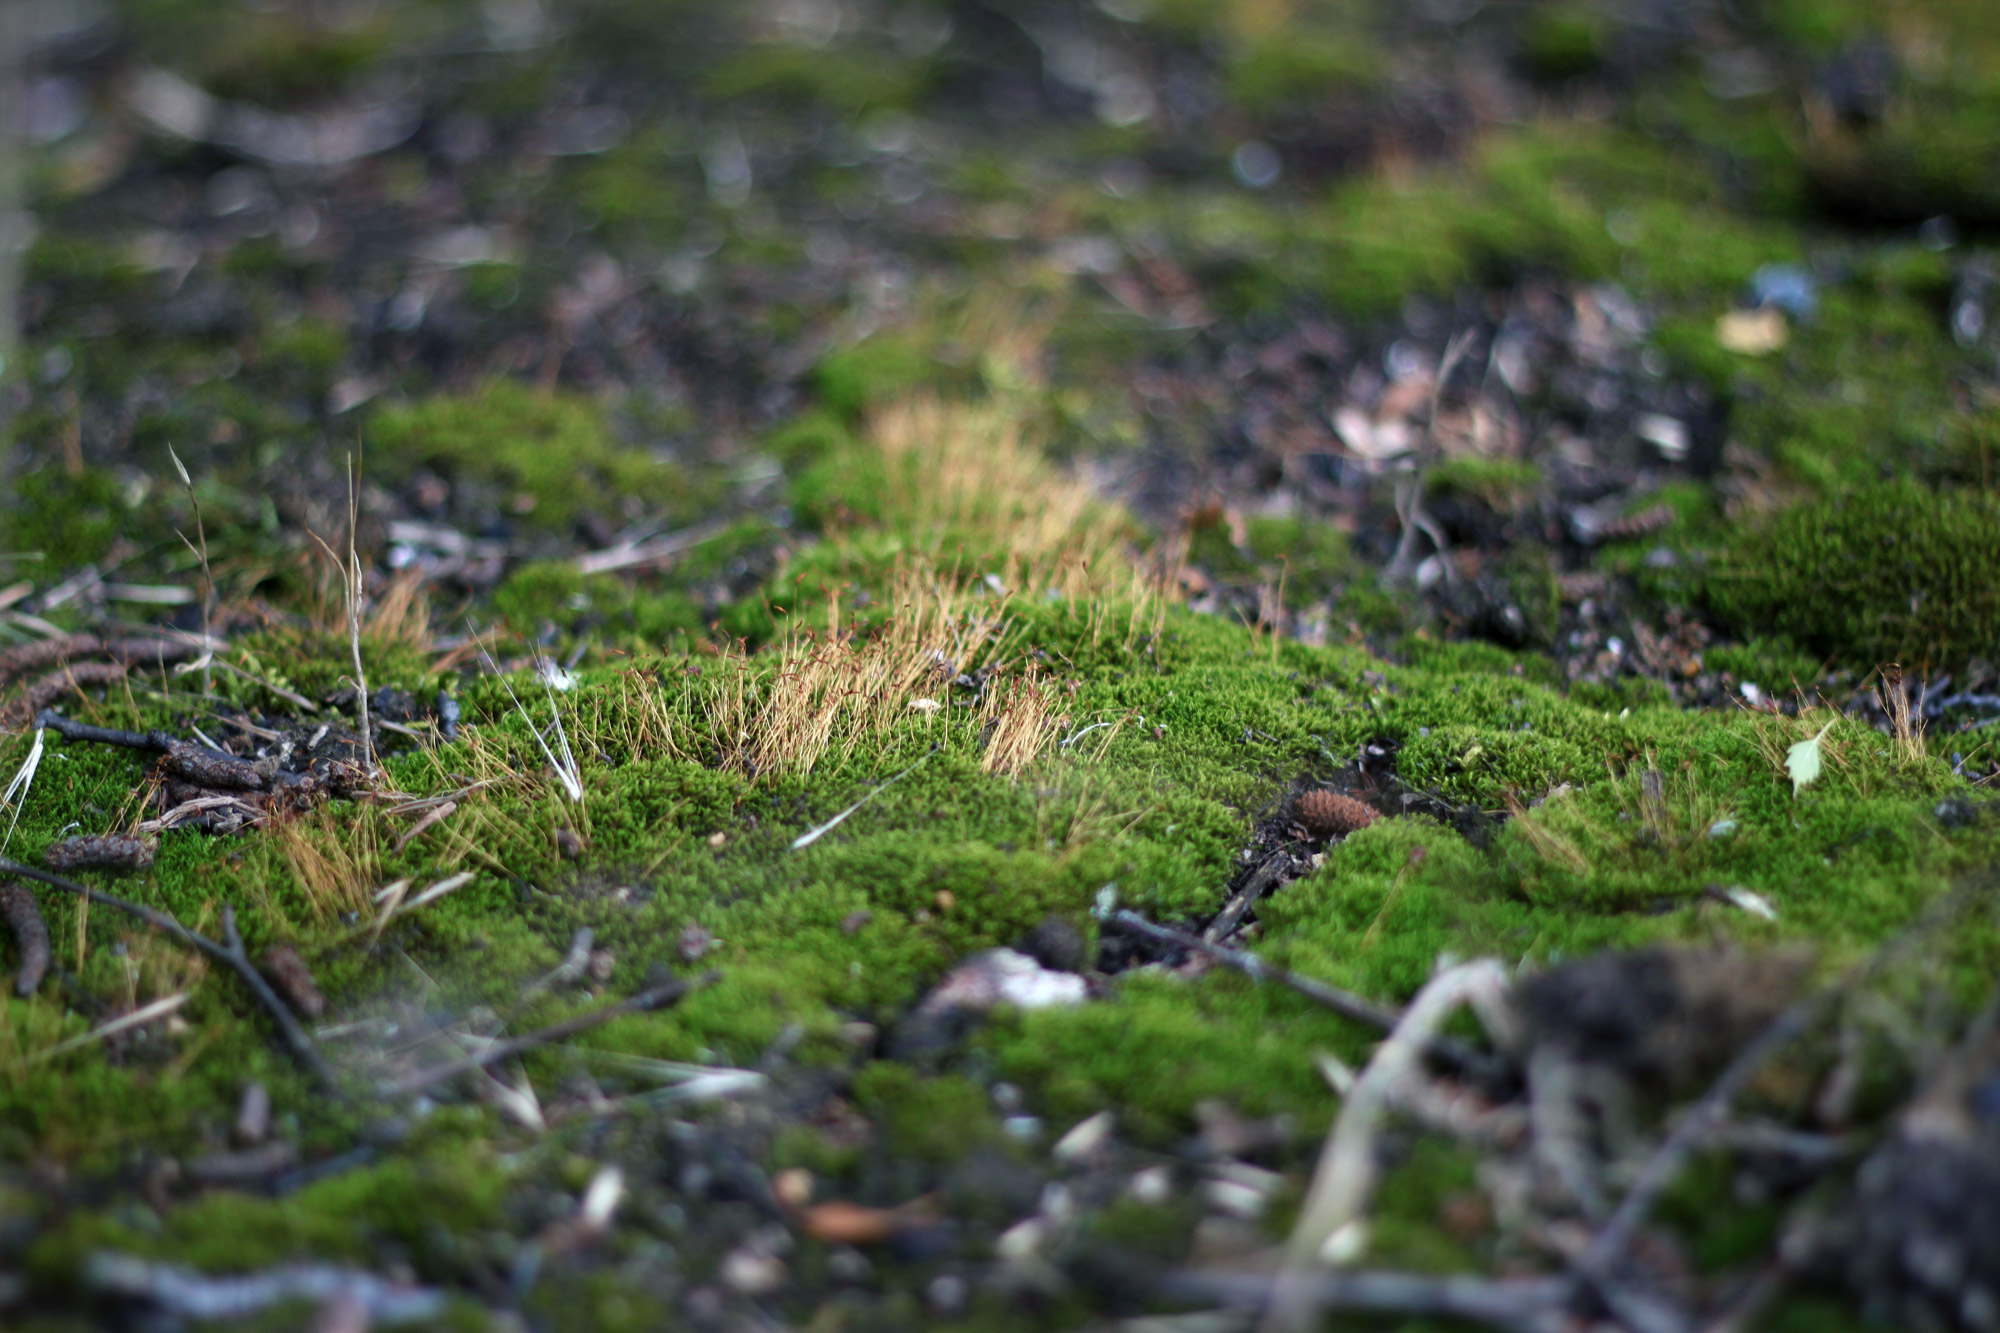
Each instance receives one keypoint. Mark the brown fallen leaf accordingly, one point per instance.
(837, 1222)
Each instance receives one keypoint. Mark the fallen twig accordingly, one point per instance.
(1607, 1249)
(431, 817)
(157, 741)
(1337, 1200)
(1530, 1305)
(1261, 879)
(659, 997)
(61, 681)
(26, 657)
(230, 954)
(1410, 498)
(1460, 1055)
(197, 1296)
(99, 851)
(651, 551)
(202, 765)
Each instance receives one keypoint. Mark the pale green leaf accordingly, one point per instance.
(1802, 760)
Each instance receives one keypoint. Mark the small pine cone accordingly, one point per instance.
(99, 851)
(294, 980)
(1325, 813)
(31, 936)
(1633, 526)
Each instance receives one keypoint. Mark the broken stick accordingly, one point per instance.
(230, 954)
(658, 997)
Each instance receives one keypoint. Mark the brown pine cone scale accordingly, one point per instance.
(1324, 813)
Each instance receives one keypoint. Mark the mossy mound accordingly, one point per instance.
(1892, 574)
(546, 457)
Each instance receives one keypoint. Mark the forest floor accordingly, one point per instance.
(1166, 665)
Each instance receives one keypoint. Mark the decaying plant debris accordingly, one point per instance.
(1229, 666)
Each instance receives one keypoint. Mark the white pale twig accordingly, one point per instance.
(23, 780)
(1332, 1223)
(560, 758)
(137, 1018)
(813, 835)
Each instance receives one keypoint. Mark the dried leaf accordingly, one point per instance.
(1752, 332)
(840, 1223)
(1802, 760)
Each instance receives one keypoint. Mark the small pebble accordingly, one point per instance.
(750, 1273)
(1021, 1241)
(253, 1114)
(1152, 1186)
(846, 1264)
(1084, 1140)
(1234, 1199)
(694, 942)
(946, 1293)
(1790, 288)
(1022, 1128)
(1056, 945)
(794, 1187)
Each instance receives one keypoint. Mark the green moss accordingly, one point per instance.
(306, 353)
(1894, 573)
(423, 1204)
(71, 520)
(853, 378)
(544, 457)
(556, 593)
(849, 81)
(633, 190)
(1563, 41)
(1280, 72)
(940, 1119)
(1499, 483)
(1312, 560)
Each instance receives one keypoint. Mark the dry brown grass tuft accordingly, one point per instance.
(1904, 724)
(1550, 845)
(636, 718)
(834, 688)
(1019, 722)
(969, 472)
(334, 859)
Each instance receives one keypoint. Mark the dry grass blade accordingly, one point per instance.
(16, 794)
(1904, 725)
(1336, 1203)
(1548, 844)
(159, 1008)
(813, 835)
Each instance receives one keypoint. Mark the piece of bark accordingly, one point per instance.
(62, 681)
(99, 851)
(289, 973)
(23, 658)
